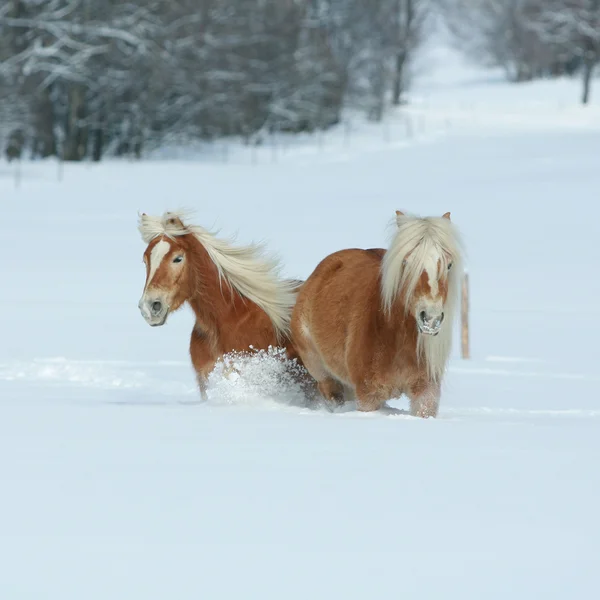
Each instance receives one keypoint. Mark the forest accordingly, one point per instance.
(83, 79)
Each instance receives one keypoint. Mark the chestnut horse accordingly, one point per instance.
(376, 323)
(235, 292)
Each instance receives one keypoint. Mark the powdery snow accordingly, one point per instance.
(118, 483)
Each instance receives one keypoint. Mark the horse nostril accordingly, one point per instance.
(422, 316)
(441, 318)
(156, 307)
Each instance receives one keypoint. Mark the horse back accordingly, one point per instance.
(344, 274)
(377, 252)
(350, 260)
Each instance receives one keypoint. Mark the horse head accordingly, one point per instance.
(168, 268)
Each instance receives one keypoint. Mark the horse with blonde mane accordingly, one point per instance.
(238, 299)
(376, 324)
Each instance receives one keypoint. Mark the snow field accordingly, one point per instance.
(118, 483)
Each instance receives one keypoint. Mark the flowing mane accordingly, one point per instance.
(246, 269)
(418, 244)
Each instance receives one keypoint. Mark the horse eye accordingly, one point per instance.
(178, 259)
(449, 266)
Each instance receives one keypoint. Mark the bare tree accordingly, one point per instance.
(497, 34)
(409, 24)
(573, 26)
(105, 76)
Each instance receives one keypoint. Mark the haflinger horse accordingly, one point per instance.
(239, 301)
(375, 324)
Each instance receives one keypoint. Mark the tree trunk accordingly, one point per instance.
(588, 70)
(138, 145)
(592, 54)
(75, 141)
(378, 90)
(98, 144)
(404, 41)
(398, 78)
(45, 142)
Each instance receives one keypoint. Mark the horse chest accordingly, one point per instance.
(399, 371)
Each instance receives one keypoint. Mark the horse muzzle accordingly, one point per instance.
(154, 311)
(428, 324)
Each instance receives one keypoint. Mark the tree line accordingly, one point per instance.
(80, 79)
(83, 78)
(529, 39)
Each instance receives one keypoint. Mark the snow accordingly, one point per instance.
(119, 483)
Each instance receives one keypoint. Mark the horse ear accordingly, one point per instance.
(174, 221)
(399, 213)
(446, 216)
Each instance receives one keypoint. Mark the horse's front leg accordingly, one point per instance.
(370, 397)
(202, 359)
(202, 386)
(425, 400)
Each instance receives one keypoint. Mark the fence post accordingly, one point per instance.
(18, 173)
(464, 317)
(347, 132)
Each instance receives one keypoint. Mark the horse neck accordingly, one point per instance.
(399, 327)
(211, 298)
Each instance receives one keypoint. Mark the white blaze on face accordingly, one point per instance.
(156, 257)
(431, 266)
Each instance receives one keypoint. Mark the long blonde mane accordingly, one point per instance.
(246, 269)
(416, 242)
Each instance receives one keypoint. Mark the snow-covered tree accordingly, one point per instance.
(529, 38)
(572, 26)
(496, 33)
(97, 76)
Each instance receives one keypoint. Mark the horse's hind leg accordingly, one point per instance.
(332, 390)
(329, 387)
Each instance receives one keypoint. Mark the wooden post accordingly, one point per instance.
(18, 173)
(464, 317)
(347, 132)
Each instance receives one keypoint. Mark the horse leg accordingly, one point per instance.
(424, 400)
(332, 390)
(202, 385)
(304, 346)
(368, 398)
(202, 359)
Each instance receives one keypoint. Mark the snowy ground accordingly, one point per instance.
(118, 484)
